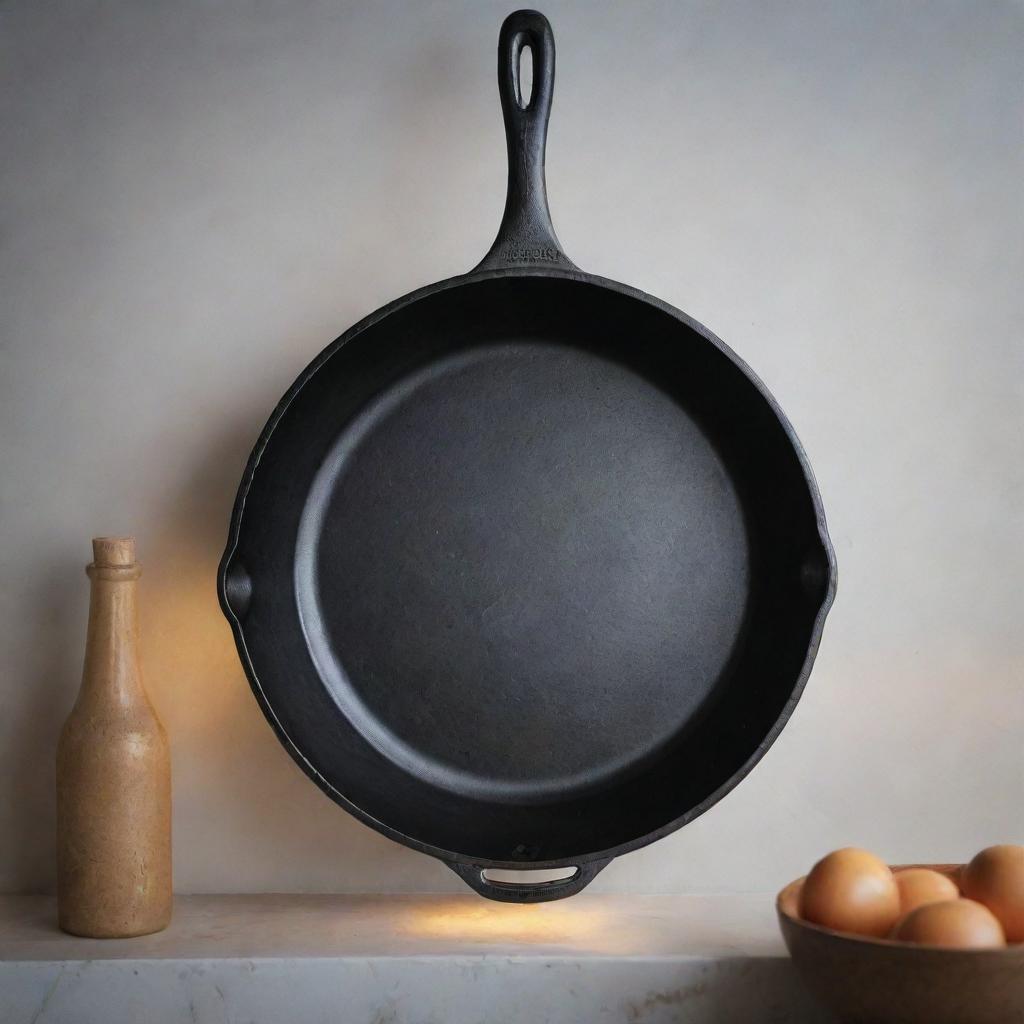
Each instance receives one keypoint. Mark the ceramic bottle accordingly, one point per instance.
(113, 772)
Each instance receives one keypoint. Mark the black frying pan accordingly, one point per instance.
(527, 568)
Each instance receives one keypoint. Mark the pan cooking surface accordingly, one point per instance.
(522, 570)
(527, 570)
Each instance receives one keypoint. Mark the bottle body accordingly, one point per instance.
(113, 773)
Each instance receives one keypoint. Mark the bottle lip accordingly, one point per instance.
(117, 573)
(113, 551)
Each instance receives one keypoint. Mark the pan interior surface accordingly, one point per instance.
(522, 570)
(527, 569)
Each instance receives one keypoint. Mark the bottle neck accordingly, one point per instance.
(111, 672)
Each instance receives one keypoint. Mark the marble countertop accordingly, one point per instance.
(258, 926)
(361, 959)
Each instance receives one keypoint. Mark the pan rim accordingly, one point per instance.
(252, 465)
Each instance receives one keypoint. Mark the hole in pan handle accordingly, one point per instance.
(526, 236)
(528, 892)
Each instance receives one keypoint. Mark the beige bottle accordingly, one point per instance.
(113, 772)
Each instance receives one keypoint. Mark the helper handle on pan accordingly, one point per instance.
(526, 237)
(528, 892)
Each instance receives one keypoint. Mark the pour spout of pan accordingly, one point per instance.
(235, 589)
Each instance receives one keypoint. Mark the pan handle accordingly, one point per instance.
(526, 236)
(528, 892)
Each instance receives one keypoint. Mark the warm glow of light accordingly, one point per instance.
(189, 663)
(567, 923)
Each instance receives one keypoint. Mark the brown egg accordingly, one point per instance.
(851, 890)
(919, 886)
(996, 878)
(956, 924)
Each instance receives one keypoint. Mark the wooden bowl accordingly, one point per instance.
(877, 981)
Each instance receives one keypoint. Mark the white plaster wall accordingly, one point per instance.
(198, 196)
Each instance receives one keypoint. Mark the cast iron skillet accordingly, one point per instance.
(527, 569)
